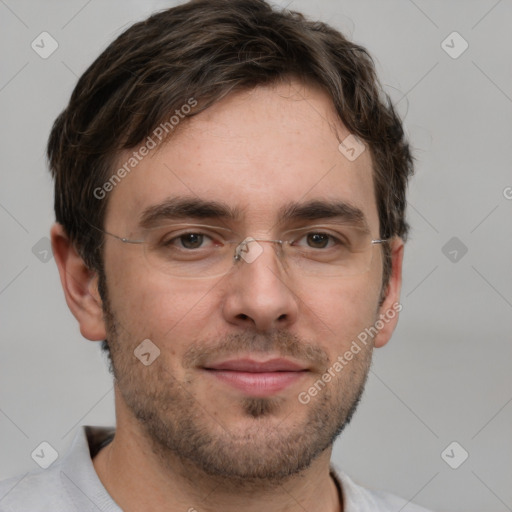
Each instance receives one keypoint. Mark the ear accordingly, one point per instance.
(80, 285)
(390, 308)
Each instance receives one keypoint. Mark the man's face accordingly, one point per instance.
(255, 153)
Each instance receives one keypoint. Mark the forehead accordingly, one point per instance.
(254, 151)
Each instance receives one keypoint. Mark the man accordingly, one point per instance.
(230, 194)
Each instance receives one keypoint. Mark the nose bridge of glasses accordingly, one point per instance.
(250, 249)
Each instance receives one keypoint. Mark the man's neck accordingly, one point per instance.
(136, 480)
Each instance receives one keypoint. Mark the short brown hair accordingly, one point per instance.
(206, 49)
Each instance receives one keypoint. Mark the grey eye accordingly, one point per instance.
(191, 240)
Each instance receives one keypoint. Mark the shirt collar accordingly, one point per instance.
(85, 489)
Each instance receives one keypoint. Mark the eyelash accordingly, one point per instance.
(333, 239)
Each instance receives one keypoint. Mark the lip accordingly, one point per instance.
(251, 366)
(257, 378)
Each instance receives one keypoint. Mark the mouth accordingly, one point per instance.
(255, 378)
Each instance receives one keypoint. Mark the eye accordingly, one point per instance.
(318, 240)
(189, 241)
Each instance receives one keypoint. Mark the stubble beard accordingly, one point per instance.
(263, 452)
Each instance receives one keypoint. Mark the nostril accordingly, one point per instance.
(243, 316)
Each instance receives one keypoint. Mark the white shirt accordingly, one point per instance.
(71, 484)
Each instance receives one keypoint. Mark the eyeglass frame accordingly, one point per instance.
(237, 251)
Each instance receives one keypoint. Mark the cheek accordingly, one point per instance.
(168, 311)
(337, 311)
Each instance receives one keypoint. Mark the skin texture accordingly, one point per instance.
(184, 438)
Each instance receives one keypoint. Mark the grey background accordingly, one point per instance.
(444, 377)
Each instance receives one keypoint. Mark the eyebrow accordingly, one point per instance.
(186, 207)
(174, 208)
(319, 209)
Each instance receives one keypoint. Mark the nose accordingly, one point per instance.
(258, 293)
